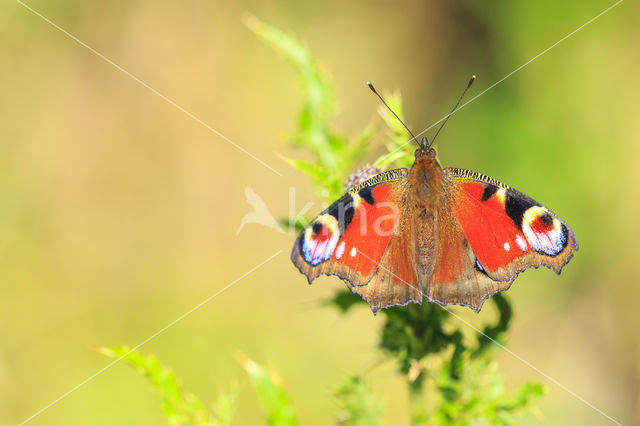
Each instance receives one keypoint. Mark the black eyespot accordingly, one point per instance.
(546, 218)
(317, 227)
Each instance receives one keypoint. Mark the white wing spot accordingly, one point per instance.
(507, 247)
(521, 242)
(353, 252)
(340, 250)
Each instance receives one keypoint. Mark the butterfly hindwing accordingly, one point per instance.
(506, 230)
(458, 276)
(395, 281)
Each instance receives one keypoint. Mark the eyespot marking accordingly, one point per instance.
(544, 233)
(317, 227)
(320, 239)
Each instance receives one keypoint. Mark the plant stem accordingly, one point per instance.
(417, 398)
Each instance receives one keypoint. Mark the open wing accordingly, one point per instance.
(358, 239)
(487, 233)
(507, 230)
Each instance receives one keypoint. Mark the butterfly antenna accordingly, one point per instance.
(373, 89)
(473, 78)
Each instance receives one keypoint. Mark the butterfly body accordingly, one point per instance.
(450, 235)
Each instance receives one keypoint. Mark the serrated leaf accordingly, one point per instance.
(317, 173)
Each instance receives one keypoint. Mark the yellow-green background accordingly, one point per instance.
(118, 212)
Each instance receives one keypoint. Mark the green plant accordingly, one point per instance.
(468, 386)
(274, 400)
(435, 358)
(180, 407)
(357, 407)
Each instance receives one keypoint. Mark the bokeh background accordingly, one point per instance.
(118, 212)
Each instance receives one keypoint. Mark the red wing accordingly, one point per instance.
(506, 230)
(395, 281)
(457, 275)
(357, 239)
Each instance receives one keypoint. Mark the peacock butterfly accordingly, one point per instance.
(452, 235)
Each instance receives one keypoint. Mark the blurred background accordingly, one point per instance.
(118, 212)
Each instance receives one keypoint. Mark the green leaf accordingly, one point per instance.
(224, 407)
(469, 388)
(273, 399)
(414, 332)
(358, 407)
(180, 407)
(345, 299)
(495, 333)
(317, 173)
(321, 178)
(525, 396)
(296, 225)
(314, 131)
(357, 149)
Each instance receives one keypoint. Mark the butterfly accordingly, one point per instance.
(450, 235)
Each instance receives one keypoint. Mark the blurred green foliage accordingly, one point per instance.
(358, 407)
(180, 407)
(274, 400)
(334, 154)
(467, 385)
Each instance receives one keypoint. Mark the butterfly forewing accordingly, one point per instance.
(351, 237)
(507, 230)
